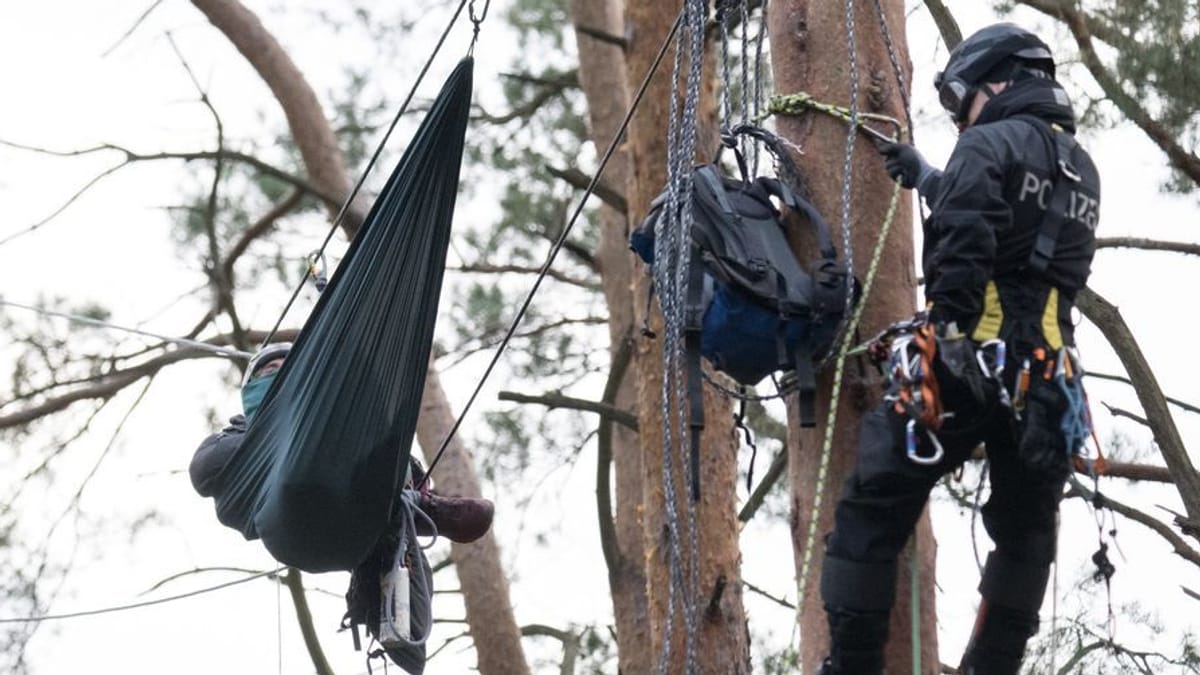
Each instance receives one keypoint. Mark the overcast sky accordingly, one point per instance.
(64, 86)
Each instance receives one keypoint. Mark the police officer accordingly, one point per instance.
(1005, 252)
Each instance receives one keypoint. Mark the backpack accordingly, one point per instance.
(755, 309)
(390, 593)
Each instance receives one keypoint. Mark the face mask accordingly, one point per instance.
(253, 393)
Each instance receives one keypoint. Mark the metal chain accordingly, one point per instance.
(847, 183)
(671, 272)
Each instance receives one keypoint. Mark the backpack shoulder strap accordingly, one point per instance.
(777, 188)
(1065, 175)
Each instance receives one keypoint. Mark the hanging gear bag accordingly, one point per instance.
(755, 309)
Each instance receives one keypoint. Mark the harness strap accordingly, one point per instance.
(693, 322)
(1066, 175)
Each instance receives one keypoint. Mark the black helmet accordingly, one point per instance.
(975, 57)
(264, 356)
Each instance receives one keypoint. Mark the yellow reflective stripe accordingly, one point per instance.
(992, 316)
(1050, 329)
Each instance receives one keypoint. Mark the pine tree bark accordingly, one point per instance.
(722, 641)
(809, 53)
(602, 76)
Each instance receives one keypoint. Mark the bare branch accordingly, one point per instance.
(104, 387)
(770, 478)
(604, 454)
(1177, 542)
(603, 36)
(1173, 401)
(481, 268)
(259, 228)
(1108, 319)
(1187, 248)
(569, 640)
(580, 181)
(556, 400)
(551, 89)
(295, 583)
(130, 157)
(124, 36)
(947, 26)
(775, 599)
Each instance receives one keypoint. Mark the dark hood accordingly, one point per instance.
(1040, 97)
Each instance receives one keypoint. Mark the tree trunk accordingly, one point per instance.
(310, 129)
(484, 585)
(721, 639)
(809, 53)
(602, 75)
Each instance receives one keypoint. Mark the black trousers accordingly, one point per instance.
(885, 495)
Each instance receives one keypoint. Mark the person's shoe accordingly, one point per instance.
(459, 519)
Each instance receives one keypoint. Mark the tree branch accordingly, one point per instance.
(603, 36)
(551, 89)
(604, 453)
(103, 387)
(1187, 248)
(1180, 158)
(1177, 542)
(580, 181)
(131, 157)
(556, 400)
(946, 25)
(1108, 319)
(295, 583)
(1173, 401)
(569, 640)
(259, 228)
(770, 478)
(1097, 26)
(481, 268)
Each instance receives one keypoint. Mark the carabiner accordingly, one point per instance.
(910, 442)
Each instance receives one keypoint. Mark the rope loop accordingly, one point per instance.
(476, 22)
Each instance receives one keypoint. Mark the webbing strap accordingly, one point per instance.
(1066, 175)
(806, 377)
(693, 321)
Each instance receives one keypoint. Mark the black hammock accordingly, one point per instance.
(320, 468)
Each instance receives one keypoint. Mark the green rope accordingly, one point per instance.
(831, 420)
(801, 102)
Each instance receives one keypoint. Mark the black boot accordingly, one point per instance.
(858, 599)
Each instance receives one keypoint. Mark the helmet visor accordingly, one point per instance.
(953, 94)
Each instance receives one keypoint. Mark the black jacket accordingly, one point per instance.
(987, 211)
(212, 455)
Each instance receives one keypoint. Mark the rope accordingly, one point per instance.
(228, 352)
(136, 605)
(341, 214)
(556, 247)
(831, 419)
(672, 277)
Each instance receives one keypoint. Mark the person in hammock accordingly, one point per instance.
(459, 519)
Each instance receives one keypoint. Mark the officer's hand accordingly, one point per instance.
(904, 164)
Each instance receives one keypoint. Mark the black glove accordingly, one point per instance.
(906, 165)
